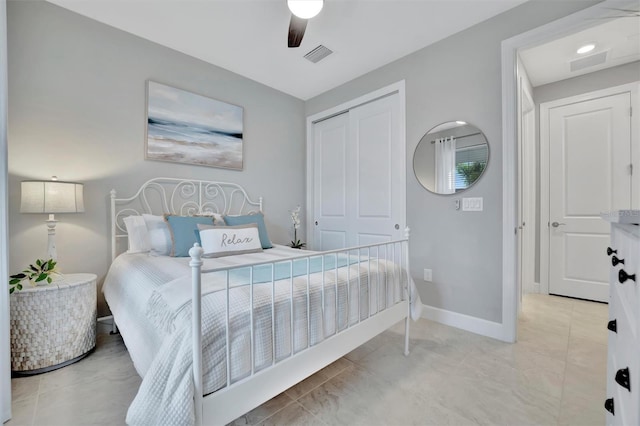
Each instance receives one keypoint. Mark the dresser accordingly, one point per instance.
(623, 355)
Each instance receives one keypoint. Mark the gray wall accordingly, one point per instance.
(77, 111)
(610, 77)
(458, 78)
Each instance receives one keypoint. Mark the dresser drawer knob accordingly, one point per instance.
(610, 251)
(613, 326)
(608, 405)
(622, 378)
(615, 261)
(623, 276)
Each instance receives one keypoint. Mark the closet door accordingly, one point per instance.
(330, 183)
(359, 176)
(377, 196)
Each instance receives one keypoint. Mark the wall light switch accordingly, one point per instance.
(472, 204)
(428, 275)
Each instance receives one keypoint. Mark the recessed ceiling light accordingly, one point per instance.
(586, 48)
(461, 122)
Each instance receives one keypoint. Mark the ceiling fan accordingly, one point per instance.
(301, 12)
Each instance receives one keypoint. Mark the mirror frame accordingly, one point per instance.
(413, 162)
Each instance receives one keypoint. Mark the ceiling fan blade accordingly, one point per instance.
(297, 26)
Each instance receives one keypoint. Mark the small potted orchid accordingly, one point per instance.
(295, 219)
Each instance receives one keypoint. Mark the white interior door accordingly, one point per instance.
(589, 173)
(330, 185)
(377, 208)
(359, 176)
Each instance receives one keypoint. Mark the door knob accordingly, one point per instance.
(556, 224)
(622, 378)
(609, 406)
(397, 226)
(613, 325)
(623, 276)
(316, 223)
(610, 251)
(615, 261)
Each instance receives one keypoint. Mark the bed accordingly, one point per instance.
(213, 338)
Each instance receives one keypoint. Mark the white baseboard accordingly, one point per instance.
(536, 288)
(464, 322)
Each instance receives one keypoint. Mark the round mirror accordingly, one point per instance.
(451, 157)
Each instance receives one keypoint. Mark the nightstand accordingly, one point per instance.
(54, 325)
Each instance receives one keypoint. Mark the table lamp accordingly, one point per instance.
(54, 196)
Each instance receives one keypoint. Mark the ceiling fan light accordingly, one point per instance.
(305, 9)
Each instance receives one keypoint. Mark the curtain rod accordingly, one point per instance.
(465, 136)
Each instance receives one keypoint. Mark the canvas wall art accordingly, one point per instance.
(188, 128)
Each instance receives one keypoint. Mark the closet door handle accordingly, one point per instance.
(623, 276)
(608, 405)
(613, 326)
(615, 261)
(622, 378)
(610, 251)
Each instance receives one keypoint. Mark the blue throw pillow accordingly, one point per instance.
(182, 232)
(257, 218)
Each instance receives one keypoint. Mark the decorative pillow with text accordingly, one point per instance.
(218, 241)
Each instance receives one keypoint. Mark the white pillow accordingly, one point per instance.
(159, 235)
(218, 241)
(138, 235)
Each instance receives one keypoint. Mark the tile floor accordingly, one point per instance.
(554, 375)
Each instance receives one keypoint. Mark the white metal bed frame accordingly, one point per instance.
(189, 197)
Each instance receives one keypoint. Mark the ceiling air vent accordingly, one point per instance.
(589, 61)
(318, 54)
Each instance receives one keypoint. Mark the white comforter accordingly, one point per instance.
(164, 359)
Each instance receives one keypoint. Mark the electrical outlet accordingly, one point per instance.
(428, 275)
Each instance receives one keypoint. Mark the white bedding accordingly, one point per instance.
(150, 299)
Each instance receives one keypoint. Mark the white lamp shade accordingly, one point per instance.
(305, 9)
(52, 197)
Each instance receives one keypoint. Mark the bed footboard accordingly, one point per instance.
(351, 272)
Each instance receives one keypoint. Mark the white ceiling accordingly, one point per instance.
(249, 37)
(550, 62)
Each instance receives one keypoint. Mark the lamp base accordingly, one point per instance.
(51, 240)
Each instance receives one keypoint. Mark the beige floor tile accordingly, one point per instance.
(293, 414)
(102, 402)
(587, 353)
(264, 411)
(22, 411)
(25, 387)
(555, 374)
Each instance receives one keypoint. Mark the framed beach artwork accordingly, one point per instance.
(183, 127)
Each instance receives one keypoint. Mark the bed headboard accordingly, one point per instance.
(185, 197)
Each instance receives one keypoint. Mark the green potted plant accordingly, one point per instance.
(39, 273)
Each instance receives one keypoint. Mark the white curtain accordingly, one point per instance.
(446, 165)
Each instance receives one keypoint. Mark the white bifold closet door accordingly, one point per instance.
(359, 176)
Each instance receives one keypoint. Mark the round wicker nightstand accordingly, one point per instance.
(54, 325)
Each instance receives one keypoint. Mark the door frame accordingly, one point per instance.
(5, 347)
(527, 144)
(509, 53)
(399, 88)
(544, 163)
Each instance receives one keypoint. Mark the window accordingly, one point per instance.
(470, 163)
